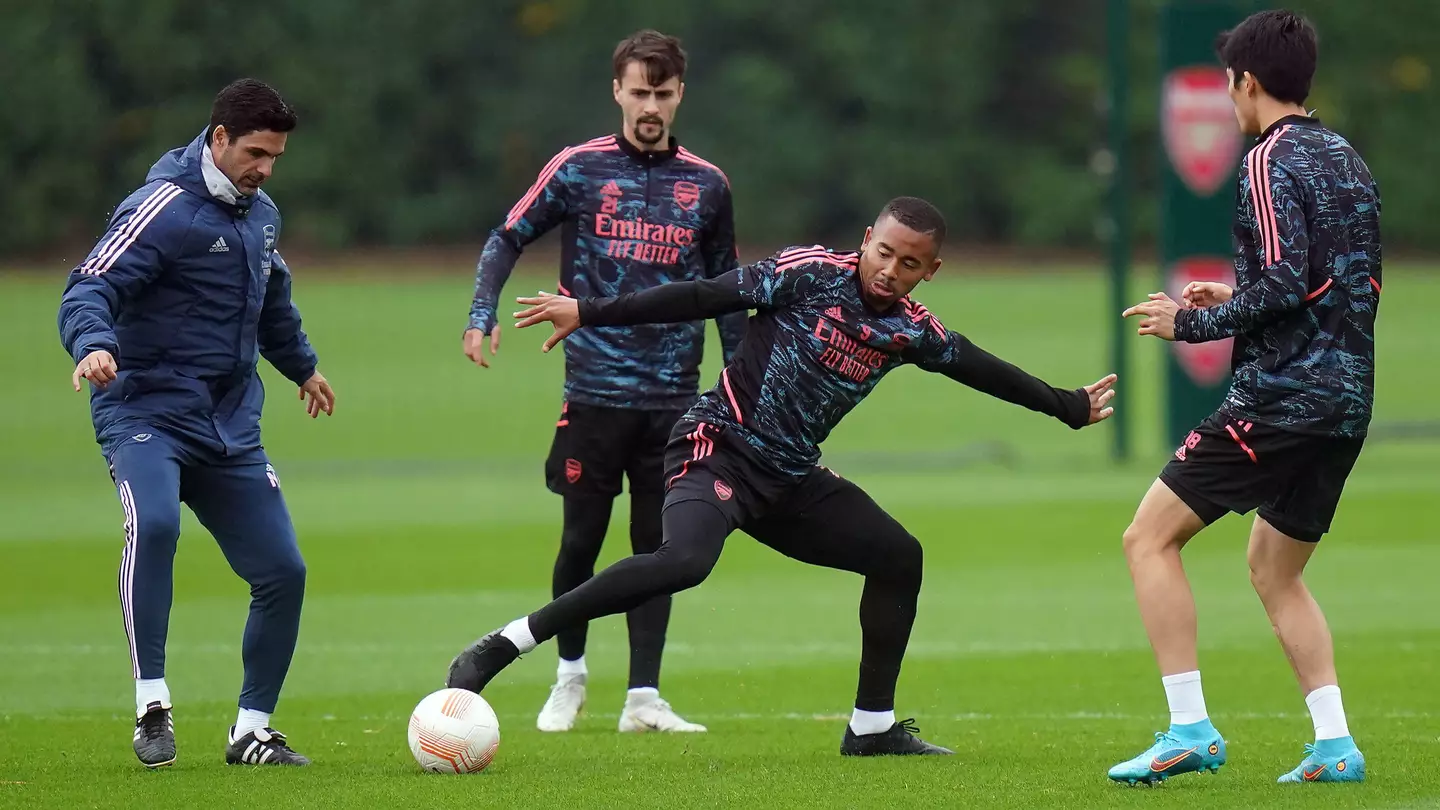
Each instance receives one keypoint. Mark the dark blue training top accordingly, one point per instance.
(630, 220)
(1307, 271)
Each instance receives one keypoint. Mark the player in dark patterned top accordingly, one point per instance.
(1307, 264)
(636, 211)
(1307, 231)
(817, 346)
(828, 326)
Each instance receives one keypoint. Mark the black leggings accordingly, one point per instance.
(827, 521)
(587, 517)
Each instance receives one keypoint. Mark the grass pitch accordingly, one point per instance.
(424, 521)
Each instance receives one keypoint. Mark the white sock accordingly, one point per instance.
(1187, 699)
(569, 669)
(519, 634)
(1328, 713)
(863, 722)
(250, 720)
(148, 691)
(641, 694)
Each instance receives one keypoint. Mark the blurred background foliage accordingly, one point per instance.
(421, 122)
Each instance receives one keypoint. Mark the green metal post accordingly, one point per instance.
(1118, 38)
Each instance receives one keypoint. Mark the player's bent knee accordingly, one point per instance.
(1143, 538)
(154, 530)
(1276, 558)
(1270, 576)
(1137, 540)
(285, 576)
(1163, 523)
(907, 561)
(689, 574)
(681, 570)
(1265, 581)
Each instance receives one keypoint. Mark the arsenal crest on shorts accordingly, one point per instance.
(723, 490)
(1205, 363)
(1197, 120)
(687, 194)
(572, 470)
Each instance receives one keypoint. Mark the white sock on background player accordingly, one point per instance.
(1328, 713)
(250, 720)
(863, 722)
(519, 634)
(149, 691)
(568, 669)
(641, 694)
(1186, 698)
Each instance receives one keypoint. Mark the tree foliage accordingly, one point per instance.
(422, 121)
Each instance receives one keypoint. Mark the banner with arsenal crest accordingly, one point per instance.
(1200, 165)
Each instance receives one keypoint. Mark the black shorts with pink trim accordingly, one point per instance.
(1295, 480)
(704, 462)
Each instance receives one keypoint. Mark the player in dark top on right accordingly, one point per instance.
(829, 325)
(1307, 266)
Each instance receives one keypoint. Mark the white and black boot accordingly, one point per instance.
(263, 746)
(155, 736)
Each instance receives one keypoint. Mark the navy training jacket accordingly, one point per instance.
(186, 291)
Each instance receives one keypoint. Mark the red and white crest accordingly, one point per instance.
(687, 194)
(723, 490)
(1197, 120)
(1204, 363)
(573, 470)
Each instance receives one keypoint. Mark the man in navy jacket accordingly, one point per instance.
(165, 319)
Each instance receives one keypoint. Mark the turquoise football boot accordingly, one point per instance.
(1194, 748)
(1329, 761)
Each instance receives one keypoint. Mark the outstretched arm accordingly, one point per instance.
(755, 286)
(676, 302)
(952, 354)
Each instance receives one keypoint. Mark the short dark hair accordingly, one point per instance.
(917, 215)
(661, 56)
(247, 106)
(1279, 48)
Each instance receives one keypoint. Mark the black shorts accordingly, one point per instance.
(1228, 464)
(595, 447)
(703, 462)
(819, 518)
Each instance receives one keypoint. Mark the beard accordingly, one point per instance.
(649, 140)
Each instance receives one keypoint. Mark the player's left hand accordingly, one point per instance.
(322, 396)
(1159, 314)
(559, 310)
(1101, 392)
